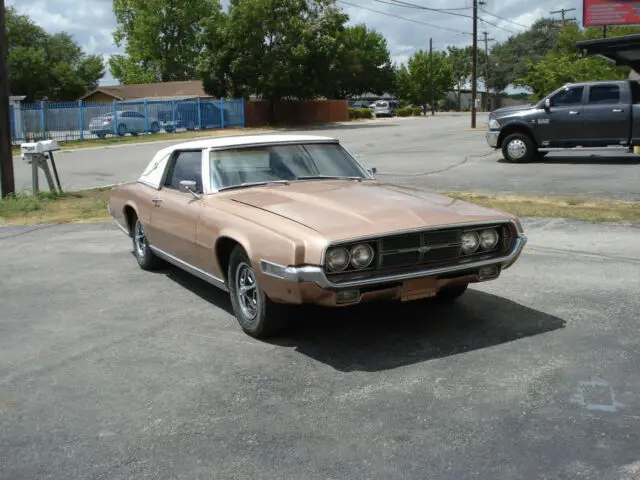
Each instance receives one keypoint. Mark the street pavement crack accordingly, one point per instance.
(433, 172)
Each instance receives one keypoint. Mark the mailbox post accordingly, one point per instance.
(36, 154)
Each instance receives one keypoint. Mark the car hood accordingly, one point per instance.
(513, 109)
(346, 209)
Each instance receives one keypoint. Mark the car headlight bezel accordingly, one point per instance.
(360, 246)
(341, 268)
(351, 250)
(471, 234)
(494, 124)
(494, 242)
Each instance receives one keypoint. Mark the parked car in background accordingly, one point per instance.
(185, 115)
(123, 122)
(385, 108)
(283, 220)
(603, 115)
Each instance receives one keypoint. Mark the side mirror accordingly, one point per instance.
(547, 104)
(189, 186)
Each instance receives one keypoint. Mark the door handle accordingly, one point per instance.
(156, 200)
(617, 110)
(574, 112)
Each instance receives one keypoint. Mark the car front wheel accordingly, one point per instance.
(518, 148)
(143, 253)
(257, 315)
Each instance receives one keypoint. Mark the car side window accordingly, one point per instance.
(570, 96)
(603, 94)
(185, 166)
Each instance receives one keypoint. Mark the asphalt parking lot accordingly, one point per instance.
(442, 152)
(107, 371)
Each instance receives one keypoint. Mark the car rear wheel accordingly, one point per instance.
(449, 294)
(143, 253)
(257, 315)
(518, 148)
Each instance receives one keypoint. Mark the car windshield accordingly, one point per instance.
(245, 166)
(382, 104)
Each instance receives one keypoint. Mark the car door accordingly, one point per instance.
(175, 213)
(561, 124)
(607, 116)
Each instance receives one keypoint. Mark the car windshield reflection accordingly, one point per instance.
(261, 165)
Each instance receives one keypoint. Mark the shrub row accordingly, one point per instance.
(360, 113)
(409, 112)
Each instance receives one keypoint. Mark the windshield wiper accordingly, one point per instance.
(254, 184)
(327, 177)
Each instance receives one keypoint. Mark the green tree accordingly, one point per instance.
(509, 60)
(42, 65)
(461, 65)
(364, 63)
(162, 38)
(426, 79)
(275, 49)
(561, 65)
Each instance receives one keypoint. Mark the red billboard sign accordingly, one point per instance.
(610, 12)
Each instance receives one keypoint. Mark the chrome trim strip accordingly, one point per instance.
(124, 230)
(315, 274)
(207, 277)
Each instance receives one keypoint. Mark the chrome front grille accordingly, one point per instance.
(431, 247)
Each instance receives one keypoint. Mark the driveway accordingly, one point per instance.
(434, 152)
(111, 372)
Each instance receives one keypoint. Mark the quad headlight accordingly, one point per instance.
(489, 238)
(486, 239)
(359, 256)
(470, 242)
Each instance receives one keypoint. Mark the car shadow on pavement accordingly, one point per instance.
(384, 336)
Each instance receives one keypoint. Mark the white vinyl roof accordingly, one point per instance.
(152, 174)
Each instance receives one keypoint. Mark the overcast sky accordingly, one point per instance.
(92, 22)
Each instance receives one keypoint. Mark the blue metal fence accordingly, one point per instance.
(83, 121)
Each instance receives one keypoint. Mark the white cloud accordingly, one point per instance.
(92, 22)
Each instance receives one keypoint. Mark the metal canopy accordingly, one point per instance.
(624, 50)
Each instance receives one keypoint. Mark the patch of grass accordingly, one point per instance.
(576, 209)
(90, 205)
(158, 137)
(27, 209)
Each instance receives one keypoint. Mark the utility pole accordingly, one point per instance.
(7, 180)
(474, 73)
(431, 75)
(486, 61)
(562, 12)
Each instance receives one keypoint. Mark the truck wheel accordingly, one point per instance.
(518, 148)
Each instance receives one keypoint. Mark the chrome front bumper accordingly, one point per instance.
(492, 138)
(315, 274)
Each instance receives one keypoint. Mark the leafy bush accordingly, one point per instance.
(409, 112)
(359, 113)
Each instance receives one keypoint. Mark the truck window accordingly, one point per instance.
(635, 91)
(599, 94)
(570, 96)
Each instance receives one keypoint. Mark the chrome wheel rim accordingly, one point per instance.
(247, 290)
(140, 239)
(516, 148)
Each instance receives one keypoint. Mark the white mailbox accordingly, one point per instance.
(36, 150)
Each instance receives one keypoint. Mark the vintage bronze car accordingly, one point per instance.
(277, 220)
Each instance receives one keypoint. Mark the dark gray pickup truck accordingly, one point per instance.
(578, 116)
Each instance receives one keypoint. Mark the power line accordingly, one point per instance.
(400, 3)
(497, 26)
(404, 18)
(505, 19)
